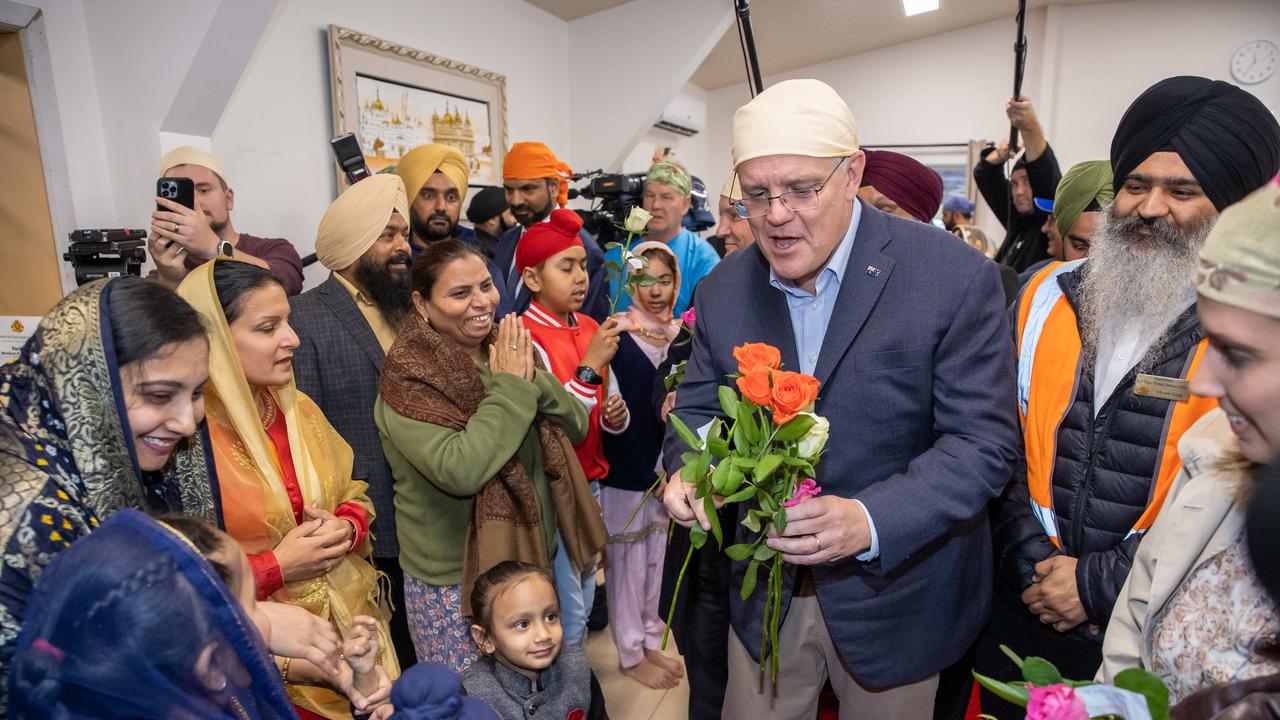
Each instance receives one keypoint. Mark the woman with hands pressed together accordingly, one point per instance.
(479, 439)
(285, 477)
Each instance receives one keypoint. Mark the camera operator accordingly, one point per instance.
(182, 238)
(536, 182)
(666, 197)
(1035, 175)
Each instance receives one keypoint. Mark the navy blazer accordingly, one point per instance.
(917, 382)
(337, 364)
(596, 304)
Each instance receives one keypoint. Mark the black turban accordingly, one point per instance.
(1226, 136)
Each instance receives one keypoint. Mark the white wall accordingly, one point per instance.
(1086, 63)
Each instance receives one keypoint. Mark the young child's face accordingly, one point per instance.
(561, 283)
(659, 297)
(525, 632)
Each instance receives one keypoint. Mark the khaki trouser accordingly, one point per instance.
(806, 660)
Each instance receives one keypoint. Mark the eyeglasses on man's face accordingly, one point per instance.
(795, 201)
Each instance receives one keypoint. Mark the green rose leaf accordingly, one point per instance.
(768, 464)
(741, 436)
(741, 551)
(1040, 672)
(753, 518)
(684, 432)
(718, 447)
(713, 517)
(1009, 692)
(734, 484)
(764, 552)
(795, 428)
(611, 245)
(749, 580)
(697, 536)
(1012, 655)
(646, 280)
(1149, 686)
(728, 401)
(720, 477)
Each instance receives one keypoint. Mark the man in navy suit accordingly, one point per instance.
(889, 569)
(536, 183)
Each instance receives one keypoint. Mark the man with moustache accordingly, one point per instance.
(435, 181)
(1105, 347)
(536, 182)
(345, 327)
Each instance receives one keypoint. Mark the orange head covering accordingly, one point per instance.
(529, 160)
(545, 240)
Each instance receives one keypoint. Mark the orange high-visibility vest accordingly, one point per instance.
(1048, 353)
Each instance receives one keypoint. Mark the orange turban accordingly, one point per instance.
(529, 160)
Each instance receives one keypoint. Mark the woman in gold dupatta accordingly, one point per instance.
(287, 491)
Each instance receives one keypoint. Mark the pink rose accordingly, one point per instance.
(688, 317)
(1055, 702)
(806, 489)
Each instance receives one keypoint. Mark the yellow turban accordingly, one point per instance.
(355, 221)
(795, 117)
(1240, 260)
(420, 163)
(191, 155)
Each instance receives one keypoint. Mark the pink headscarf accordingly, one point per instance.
(637, 319)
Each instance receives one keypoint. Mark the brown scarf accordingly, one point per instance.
(430, 379)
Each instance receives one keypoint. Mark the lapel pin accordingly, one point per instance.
(873, 271)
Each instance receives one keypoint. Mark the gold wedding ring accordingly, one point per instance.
(817, 540)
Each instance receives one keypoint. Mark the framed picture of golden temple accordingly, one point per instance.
(395, 98)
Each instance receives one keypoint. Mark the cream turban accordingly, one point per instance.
(355, 221)
(1240, 260)
(795, 117)
(730, 189)
(420, 163)
(191, 155)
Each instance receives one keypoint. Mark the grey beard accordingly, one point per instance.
(1137, 281)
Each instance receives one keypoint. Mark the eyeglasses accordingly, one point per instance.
(795, 201)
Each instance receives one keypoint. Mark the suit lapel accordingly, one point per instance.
(865, 277)
(774, 320)
(340, 302)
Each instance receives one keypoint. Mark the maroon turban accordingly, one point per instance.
(915, 187)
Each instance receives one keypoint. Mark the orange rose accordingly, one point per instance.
(754, 385)
(792, 393)
(750, 355)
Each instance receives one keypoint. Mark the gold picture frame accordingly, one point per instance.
(468, 105)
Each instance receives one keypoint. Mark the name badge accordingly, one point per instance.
(1165, 388)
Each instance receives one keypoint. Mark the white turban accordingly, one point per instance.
(191, 155)
(795, 117)
(731, 189)
(355, 221)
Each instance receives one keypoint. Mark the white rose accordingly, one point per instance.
(636, 221)
(816, 439)
(636, 263)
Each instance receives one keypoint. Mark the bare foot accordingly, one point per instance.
(650, 675)
(666, 662)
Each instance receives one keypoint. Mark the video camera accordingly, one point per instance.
(102, 253)
(613, 197)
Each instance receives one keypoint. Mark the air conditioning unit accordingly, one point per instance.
(684, 116)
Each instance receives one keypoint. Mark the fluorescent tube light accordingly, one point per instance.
(915, 7)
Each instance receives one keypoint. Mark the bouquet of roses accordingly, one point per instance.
(762, 452)
(1136, 695)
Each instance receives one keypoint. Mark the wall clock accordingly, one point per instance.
(1254, 62)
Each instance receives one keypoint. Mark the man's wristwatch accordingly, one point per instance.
(587, 376)
(225, 249)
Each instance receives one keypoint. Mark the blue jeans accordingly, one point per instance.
(577, 591)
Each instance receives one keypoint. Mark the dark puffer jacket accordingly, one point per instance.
(1102, 479)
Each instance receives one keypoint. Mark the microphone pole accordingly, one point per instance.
(747, 39)
(1019, 67)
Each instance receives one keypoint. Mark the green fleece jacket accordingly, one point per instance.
(437, 469)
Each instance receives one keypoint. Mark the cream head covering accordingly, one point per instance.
(795, 117)
(420, 163)
(191, 155)
(357, 218)
(731, 189)
(1240, 260)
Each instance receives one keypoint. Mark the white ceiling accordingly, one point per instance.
(574, 9)
(791, 34)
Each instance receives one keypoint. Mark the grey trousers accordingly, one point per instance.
(806, 659)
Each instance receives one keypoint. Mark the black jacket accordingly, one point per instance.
(1024, 244)
(1102, 479)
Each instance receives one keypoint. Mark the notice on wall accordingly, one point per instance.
(14, 331)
